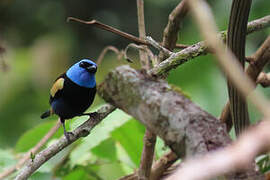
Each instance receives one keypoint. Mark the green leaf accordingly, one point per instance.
(108, 171)
(31, 137)
(130, 136)
(106, 150)
(76, 174)
(101, 132)
(161, 148)
(41, 176)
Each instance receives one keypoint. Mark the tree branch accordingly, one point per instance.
(149, 138)
(200, 48)
(33, 150)
(117, 31)
(158, 169)
(162, 165)
(182, 125)
(82, 131)
(236, 41)
(170, 33)
(259, 60)
(179, 122)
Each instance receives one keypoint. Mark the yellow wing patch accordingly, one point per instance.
(58, 85)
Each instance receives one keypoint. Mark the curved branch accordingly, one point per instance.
(82, 131)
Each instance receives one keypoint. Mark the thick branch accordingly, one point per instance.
(184, 127)
(181, 124)
(82, 131)
(200, 48)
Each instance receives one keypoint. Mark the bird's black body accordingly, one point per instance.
(72, 100)
(73, 92)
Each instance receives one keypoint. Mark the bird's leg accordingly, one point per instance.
(92, 114)
(66, 133)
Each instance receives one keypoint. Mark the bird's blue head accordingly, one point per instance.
(83, 73)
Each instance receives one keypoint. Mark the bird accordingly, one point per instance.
(73, 92)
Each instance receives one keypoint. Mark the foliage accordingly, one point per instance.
(41, 45)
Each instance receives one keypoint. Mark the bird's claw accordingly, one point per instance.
(92, 115)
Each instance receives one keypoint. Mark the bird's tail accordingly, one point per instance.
(46, 114)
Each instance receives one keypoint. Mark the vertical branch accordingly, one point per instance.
(149, 138)
(259, 60)
(236, 42)
(141, 27)
(170, 33)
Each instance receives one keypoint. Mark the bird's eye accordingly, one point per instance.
(84, 64)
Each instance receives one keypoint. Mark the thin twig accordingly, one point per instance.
(155, 44)
(109, 28)
(109, 48)
(34, 150)
(162, 165)
(117, 31)
(82, 131)
(139, 48)
(149, 139)
(158, 169)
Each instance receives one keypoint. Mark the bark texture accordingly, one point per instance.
(185, 127)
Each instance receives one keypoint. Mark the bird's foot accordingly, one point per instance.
(92, 115)
(68, 135)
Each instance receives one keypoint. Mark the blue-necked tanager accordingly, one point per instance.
(73, 92)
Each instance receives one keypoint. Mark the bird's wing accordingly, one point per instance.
(57, 87)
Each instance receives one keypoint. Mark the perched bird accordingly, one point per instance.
(73, 92)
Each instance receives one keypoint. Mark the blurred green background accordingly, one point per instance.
(40, 45)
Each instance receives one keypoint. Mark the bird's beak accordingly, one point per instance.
(91, 69)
